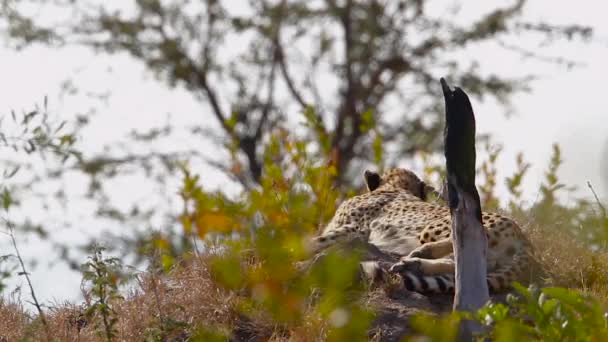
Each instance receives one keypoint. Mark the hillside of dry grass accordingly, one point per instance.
(188, 304)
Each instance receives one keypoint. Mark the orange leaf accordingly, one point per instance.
(162, 244)
(214, 221)
(278, 218)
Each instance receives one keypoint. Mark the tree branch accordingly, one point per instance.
(201, 80)
(270, 98)
(488, 26)
(286, 76)
(397, 65)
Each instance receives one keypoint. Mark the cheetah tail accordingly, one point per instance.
(428, 283)
(498, 280)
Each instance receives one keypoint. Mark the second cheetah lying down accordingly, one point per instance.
(395, 217)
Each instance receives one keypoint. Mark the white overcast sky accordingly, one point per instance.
(567, 107)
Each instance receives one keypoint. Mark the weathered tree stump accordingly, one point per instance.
(468, 235)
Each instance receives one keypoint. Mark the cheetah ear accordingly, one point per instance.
(372, 180)
(426, 189)
(422, 190)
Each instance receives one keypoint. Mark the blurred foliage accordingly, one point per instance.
(531, 314)
(554, 208)
(34, 131)
(6, 270)
(488, 170)
(259, 239)
(28, 137)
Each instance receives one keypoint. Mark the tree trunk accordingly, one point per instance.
(468, 235)
(470, 245)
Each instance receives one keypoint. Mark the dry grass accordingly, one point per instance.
(13, 321)
(171, 307)
(568, 263)
(160, 306)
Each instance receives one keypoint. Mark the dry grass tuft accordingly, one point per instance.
(13, 320)
(169, 307)
(162, 305)
(569, 263)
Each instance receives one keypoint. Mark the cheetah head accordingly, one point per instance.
(398, 178)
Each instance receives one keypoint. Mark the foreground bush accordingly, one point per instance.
(232, 271)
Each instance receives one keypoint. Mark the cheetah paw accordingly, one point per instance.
(407, 264)
(420, 252)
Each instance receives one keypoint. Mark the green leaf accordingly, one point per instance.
(7, 200)
(167, 262)
(227, 271)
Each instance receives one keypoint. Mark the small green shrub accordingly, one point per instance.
(102, 274)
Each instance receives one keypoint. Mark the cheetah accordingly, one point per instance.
(395, 217)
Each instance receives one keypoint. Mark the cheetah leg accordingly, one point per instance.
(341, 234)
(433, 250)
(424, 266)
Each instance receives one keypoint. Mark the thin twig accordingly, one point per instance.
(597, 199)
(602, 208)
(11, 233)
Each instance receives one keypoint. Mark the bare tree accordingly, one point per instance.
(252, 62)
